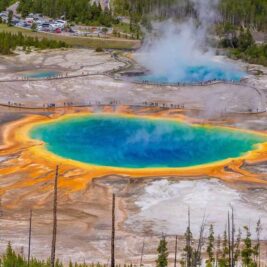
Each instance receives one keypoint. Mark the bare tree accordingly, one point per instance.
(258, 245)
(218, 250)
(113, 232)
(30, 238)
(54, 237)
(197, 254)
(233, 239)
(229, 240)
(188, 242)
(142, 253)
(175, 250)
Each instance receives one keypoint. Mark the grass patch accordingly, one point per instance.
(123, 27)
(88, 42)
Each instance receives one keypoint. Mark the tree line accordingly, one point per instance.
(10, 41)
(248, 13)
(228, 250)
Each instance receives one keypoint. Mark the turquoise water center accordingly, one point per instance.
(41, 74)
(194, 75)
(135, 142)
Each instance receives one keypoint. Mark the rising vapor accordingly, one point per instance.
(172, 48)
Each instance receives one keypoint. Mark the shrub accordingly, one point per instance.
(99, 49)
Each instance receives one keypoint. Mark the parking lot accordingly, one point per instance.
(40, 23)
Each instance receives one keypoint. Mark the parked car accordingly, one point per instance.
(14, 22)
(44, 27)
(61, 22)
(21, 23)
(57, 30)
(29, 20)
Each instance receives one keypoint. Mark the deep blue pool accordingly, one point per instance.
(141, 143)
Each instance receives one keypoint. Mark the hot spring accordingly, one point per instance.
(41, 74)
(181, 53)
(194, 74)
(136, 142)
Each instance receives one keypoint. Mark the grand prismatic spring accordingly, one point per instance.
(138, 142)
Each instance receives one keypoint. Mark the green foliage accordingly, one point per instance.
(247, 251)
(245, 40)
(188, 249)
(243, 46)
(210, 247)
(13, 259)
(249, 13)
(255, 54)
(9, 42)
(237, 247)
(99, 49)
(4, 4)
(79, 11)
(34, 27)
(162, 260)
(224, 259)
(9, 18)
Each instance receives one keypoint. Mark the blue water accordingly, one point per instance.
(41, 74)
(141, 143)
(196, 74)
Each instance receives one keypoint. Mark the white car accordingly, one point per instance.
(60, 21)
(60, 24)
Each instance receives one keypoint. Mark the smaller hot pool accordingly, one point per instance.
(43, 74)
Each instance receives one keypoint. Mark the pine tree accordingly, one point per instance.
(34, 27)
(162, 260)
(247, 251)
(218, 250)
(188, 249)
(224, 259)
(210, 247)
(257, 247)
(237, 247)
(29, 239)
(9, 18)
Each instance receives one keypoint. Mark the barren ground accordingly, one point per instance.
(143, 212)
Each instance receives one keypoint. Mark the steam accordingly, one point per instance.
(206, 11)
(172, 48)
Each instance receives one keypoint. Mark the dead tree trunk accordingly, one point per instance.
(175, 250)
(229, 241)
(233, 239)
(200, 243)
(54, 237)
(30, 238)
(188, 242)
(142, 253)
(113, 232)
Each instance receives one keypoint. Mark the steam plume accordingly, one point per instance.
(172, 48)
